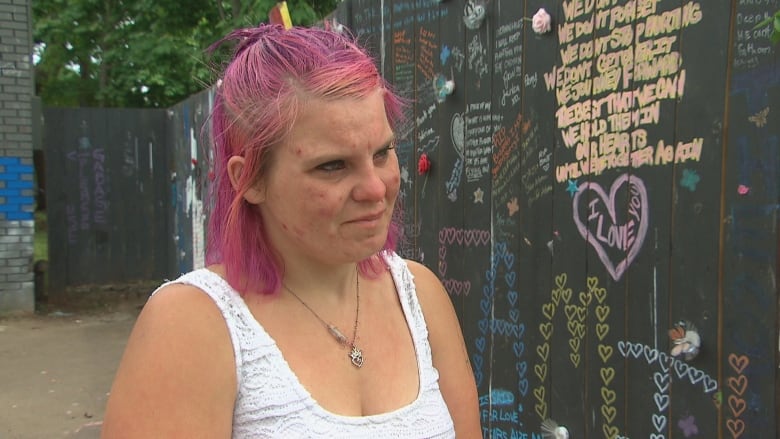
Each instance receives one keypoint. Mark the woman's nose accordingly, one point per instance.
(370, 185)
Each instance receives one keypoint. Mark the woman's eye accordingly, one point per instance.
(335, 165)
(381, 155)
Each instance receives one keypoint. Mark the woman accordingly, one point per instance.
(305, 323)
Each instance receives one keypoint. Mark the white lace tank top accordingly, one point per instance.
(272, 403)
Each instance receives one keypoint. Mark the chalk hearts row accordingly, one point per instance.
(665, 361)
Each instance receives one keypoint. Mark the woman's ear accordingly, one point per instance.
(235, 167)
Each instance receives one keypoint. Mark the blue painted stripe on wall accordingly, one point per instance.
(16, 177)
(20, 185)
(19, 216)
(19, 169)
(10, 161)
(19, 200)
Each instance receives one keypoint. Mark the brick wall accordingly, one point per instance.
(16, 158)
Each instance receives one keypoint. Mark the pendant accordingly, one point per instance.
(356, 355)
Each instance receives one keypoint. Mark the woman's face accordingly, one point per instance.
(331, 186)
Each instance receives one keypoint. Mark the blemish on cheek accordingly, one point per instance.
(318, 194)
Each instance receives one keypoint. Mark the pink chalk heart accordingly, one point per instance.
(604, 231)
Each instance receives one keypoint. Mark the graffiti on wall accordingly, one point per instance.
(620, 64)
(89, 208)
(615, 234)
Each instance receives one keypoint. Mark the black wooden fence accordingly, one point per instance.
(107, 196)
(125, 190)
(589, 188)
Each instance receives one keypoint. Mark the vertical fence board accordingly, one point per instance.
(646, 288)
(450, 168)
(696, 216)
(538, 240)
(564, 316)
(749, 331)
(511, 350)
(58, 234)
(428, 193)
(403, 49)
(480, 266)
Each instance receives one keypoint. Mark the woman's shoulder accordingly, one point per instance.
(179, 338)
(179, 298)
(181, 310)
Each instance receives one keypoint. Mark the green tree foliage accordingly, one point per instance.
(139, 53)
(774, 19)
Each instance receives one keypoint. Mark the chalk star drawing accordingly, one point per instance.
(405, 174)
(572, 188)
(479, 195)
(690, 179)
(512, 206)
(445, 54)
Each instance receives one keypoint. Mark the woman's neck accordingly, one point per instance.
(331, 283)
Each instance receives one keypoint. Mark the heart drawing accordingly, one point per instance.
(612, 237)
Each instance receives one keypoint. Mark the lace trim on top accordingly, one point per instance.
(271, 401)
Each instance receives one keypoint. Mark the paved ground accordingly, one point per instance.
(56, 369)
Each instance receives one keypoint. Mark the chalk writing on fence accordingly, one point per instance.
(409, 12)
(366, 18)
(506, 157)
(667, 363)
(531, 161)
(605, 351)
(72, 222)
(543, 350)
(737, 383)
(409, 229)
(748, 227)
(130, 155)
(576, 312)
(668, 368)
(403, 60)
(477, 58)
(479, 131)
(90, 206)
(507, 60)
(616, 239)
(427, 44)
(458, 135)
(463, 238)
(610, 88)
(502, 419)
(752, 45)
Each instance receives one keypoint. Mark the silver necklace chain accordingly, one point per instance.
(355, 354)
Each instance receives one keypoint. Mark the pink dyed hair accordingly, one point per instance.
(255, 106)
